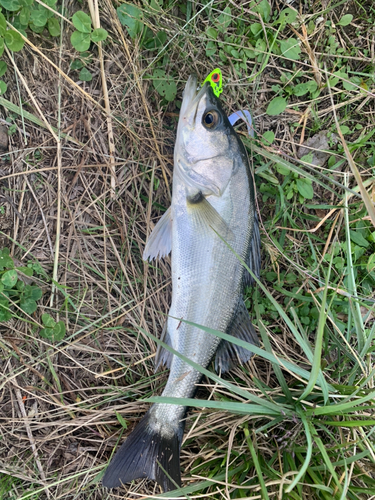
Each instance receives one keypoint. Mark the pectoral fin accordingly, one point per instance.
(159, 243)
(228, 354)
(205, 216)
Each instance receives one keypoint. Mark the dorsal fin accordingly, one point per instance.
(253, 260)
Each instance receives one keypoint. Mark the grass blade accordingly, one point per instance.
(365, 196)
(355, 308)
(243, 408)
(316, 365)
(279, 159)
(256, 462)
(237, 390)
(304, 344)
(279, 361)
(267, 345)
(34, 119)
(305, 465)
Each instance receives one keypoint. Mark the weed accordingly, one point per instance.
(17, 294)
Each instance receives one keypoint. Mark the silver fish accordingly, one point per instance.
(212, 195)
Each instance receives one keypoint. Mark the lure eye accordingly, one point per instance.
(211, 119)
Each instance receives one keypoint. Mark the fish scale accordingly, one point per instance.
(212, 196)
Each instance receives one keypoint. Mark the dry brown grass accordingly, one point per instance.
(52, 408)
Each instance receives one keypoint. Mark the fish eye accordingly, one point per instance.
(211, 119)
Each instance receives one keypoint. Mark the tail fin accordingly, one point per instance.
(145, 448)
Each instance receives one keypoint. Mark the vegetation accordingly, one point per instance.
(90, 104)
(17, 295)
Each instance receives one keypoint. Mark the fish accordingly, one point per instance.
(213, 206)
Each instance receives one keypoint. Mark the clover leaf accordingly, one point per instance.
(164, 84)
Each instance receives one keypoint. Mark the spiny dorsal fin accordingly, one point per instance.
(159, 243)
(228, 354)
(253, 260)
(207, 217)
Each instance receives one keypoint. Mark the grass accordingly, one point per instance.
(96, 161)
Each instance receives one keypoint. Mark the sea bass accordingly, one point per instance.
(212, 201)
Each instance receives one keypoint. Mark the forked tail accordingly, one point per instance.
(150, 449)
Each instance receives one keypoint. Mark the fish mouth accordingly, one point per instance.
(192, 95)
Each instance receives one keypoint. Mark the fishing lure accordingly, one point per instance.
(243, 114)
(215, 79)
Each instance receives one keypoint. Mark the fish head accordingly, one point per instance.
(206, 143)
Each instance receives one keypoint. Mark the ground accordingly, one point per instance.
(86, 171)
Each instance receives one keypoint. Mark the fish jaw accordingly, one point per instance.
(189, 95)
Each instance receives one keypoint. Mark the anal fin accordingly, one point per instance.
(228, 354)
(164, 357)
(159, 243)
